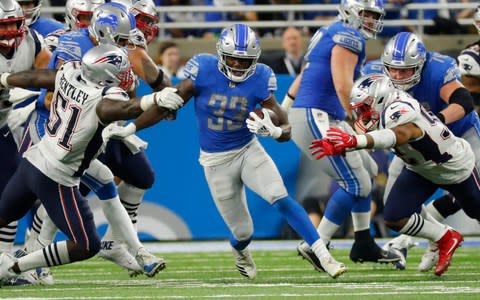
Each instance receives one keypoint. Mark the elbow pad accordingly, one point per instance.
(462, 97)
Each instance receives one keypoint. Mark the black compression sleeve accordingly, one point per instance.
(462, 97)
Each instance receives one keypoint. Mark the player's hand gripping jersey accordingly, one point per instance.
(438, 152)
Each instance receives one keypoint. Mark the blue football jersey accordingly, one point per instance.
(222, 106)
(439, 70)
(71, 46)
(316, 87)
(45, 26)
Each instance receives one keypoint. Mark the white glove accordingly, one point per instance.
(18, 95)
(263, 127)
(18, 116)
(168, 98)
(115, 131)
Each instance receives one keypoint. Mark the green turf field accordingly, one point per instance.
(281, 275)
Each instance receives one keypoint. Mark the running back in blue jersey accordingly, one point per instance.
(317, 88)
(439, 70)
(222, 106)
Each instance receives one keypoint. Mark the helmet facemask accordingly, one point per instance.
(238, 44)
(476, 19)
(11, 38)
(364, 15)
(31, 14)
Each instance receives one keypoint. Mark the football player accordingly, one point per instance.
(87, 97)
(434, 158)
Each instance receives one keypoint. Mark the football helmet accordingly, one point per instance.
(146, 17)
(111, 23)
(351, 12)
(368, 97)
(476, 18)
(106, 65)
(77, 11)
(469, 63)
(31, 14)
(11, 13)
(241, 43)
(404, 51)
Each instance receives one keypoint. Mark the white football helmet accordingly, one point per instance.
(240, 42)
(469, 63)
(111, 23)
(78, 11)
(369, 95)
(31, 14)
(404, 51)
(476, 18)
(146, 17)
(11, 13)
(106, 65)
(351, 12)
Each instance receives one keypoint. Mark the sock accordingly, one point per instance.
(320, 249)
(418, 226)
(297, 217)
(7, 236)
(53, 255)
(46, 236)
(327, 229)
(40, 215)
(339, 206)
(131, 198)
(361, 213)
(239, 245)
(121, 225)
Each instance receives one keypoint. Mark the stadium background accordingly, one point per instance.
(179, 205)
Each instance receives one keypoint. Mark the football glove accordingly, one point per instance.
(341, 138)
(323, 147)
(115, 131)
(263, 127)
(167, 98)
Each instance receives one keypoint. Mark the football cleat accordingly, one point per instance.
(447, 245)
(307, 253)
(117, 253)
(400, 246)
(429, 258)
(6, 263)
(368, 251)
(332, 267)
(244, 263)
(149, 263)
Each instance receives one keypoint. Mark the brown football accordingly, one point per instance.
(271, 113)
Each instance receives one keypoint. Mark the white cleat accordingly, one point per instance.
(149, 263)
(117, 253)
(429, 258)
(40, 275)
(6, 263)
(400, 246)
(332, 267)
(244, 263)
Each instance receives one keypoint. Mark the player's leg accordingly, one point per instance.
(228, 194)
(9, 161)
(135, 170)
(402, 213)
(261, 175)
(100, 180)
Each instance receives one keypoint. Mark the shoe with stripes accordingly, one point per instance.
(244, 263)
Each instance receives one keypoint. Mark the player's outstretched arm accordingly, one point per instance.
(40, 78)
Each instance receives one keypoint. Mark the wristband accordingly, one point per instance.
(287, 101)
(3, 80)
(146, 102)
(361, 141)
(277, 132)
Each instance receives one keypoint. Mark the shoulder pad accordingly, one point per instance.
(115, 93)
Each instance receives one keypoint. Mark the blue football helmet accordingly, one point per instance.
(112, 23)
(404, 51)
(352, 12)
(240, 42)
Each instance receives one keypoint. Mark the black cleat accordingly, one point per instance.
(370, 252)
(306, 252)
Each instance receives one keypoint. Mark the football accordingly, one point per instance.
(271, 113)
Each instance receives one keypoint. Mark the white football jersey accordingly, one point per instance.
(438, 155)
(23, 59)
(73, 134)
